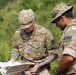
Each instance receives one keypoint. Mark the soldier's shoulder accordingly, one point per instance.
(71, 26)
(72, 23)
(17, 31)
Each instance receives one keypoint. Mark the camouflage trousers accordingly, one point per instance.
(42, 71)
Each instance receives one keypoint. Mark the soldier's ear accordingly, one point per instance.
(62, 18)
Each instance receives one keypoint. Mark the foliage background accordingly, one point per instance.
(9, 10)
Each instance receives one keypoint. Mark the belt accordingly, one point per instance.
(35, 61)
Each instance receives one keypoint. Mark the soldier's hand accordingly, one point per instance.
(11, 61)
(34, 69)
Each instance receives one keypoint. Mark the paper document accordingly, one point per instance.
(9, 68)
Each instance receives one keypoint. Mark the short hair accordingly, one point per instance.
(68, 14)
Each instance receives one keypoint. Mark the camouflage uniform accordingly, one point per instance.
(67, 43)
(33, 46)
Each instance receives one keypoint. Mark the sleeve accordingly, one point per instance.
(71, 47)
(50, 43)
(15, 52)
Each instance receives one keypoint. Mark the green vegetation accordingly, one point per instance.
(9, 10)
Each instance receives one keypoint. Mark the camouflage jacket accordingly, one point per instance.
(67, 44)
(35, 45)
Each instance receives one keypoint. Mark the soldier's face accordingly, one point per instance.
(60, 23)
(28, 29)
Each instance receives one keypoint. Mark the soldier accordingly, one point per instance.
(33, 43)
(63, 17)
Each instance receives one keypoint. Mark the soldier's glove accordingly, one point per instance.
(55, 72)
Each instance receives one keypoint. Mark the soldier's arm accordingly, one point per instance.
(15, 55)
(64, 64)
(48, 60)
(51, 46)
(15, 52)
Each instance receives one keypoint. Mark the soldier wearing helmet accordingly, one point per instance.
(33, 43)
(63, 17)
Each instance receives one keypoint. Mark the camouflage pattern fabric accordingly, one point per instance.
(59, 10)
(67, 45)
(33, 46)
(26, 17)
